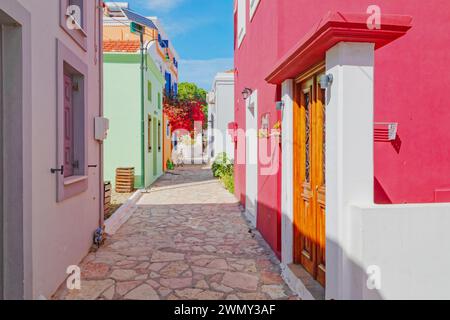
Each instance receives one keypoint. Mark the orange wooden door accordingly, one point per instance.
(309, 177)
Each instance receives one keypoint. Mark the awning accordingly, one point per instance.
(336, 27)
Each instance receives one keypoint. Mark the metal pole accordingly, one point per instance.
(142, 110)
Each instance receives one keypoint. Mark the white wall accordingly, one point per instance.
(223, 110)
(61, 232)
(349, 154)
(287, 193)
(409, 244)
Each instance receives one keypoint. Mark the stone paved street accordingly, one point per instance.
(186, 240)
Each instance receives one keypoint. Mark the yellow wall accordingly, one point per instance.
(123, 33)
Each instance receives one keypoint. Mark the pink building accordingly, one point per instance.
(358, 184)
(51, 131)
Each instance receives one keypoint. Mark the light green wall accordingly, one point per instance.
(151, 108)
(122, 106)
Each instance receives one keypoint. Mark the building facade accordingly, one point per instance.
(220, 115)
(357, 157)
(129, 144)
(158, 44)
(50, 141)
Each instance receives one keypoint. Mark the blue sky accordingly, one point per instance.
(201, 31)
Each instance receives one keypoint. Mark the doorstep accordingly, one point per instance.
(302, 283)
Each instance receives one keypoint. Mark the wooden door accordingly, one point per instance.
(309, 177)
(68, 127)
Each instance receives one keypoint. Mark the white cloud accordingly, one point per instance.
(202, 72)
(161, 5)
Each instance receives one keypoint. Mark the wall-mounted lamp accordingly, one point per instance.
(246, 93)
(325, 81)
(279, 105)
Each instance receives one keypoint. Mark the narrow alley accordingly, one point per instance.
(187, 239)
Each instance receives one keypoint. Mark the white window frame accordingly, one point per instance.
(253, 6)
(241, 20)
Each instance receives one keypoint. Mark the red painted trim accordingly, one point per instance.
(334, 28)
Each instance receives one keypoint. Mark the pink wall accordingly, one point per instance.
(410, 86)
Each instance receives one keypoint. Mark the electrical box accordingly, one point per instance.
(101, 128)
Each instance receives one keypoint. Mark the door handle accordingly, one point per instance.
(58, 170)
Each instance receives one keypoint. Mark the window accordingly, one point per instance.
(149, 91)
(73, 20)
(253, 6)
(242, 17)
(149, 133)
(72, 124)
(159, 136)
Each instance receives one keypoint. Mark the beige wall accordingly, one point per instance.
(61, 232)
(123, 33)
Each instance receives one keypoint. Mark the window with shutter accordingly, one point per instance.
(72, 124)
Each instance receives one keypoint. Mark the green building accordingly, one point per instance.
(135, 134)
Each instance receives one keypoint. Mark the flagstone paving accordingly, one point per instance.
(188, 240)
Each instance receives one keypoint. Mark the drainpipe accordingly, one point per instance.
(99, 43)
(142, 111)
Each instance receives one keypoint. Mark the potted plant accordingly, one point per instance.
(276, 132)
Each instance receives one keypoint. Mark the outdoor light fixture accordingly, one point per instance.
(279, 105)
(325, 81)
(247, 93)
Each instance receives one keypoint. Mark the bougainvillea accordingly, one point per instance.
(183, 114)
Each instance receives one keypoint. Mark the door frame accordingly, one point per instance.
(16, 144)
(314, 190)
(251, 141)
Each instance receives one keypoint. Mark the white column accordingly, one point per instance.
(349, 157)
(287, 212)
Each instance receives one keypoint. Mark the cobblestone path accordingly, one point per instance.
(187, 239)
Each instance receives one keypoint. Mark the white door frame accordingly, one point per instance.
(251, 158)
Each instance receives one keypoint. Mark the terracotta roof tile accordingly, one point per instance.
(130, 46)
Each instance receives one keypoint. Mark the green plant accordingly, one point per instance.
(223, 168)
(170, 165)
(228, 181)
(221, 165)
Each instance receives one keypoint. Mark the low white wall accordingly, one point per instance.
(409, 243)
